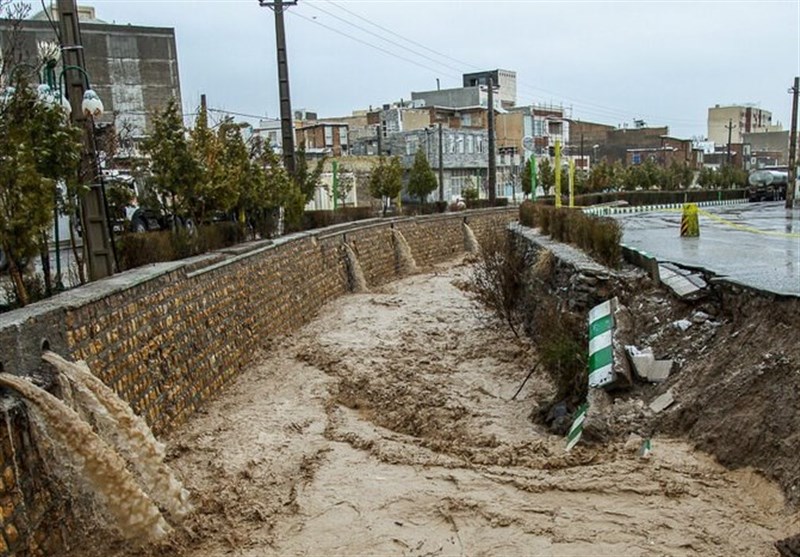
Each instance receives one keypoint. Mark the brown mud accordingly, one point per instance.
(386, 427)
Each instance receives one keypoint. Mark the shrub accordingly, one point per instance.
(598, 236)
(527, 212)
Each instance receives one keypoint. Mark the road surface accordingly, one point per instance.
(756, 244)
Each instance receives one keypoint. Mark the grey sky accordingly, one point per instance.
(664, 62)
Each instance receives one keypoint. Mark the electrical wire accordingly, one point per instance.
(398, 35)
(385, 51)
(56, 30)
(390, 41)
(589, 107)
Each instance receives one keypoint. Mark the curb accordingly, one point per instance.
(603, 211)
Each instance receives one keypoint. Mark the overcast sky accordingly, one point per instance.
(665, 62)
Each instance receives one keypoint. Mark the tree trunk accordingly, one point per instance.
(75, 252)
(44, 253)
(16, 277)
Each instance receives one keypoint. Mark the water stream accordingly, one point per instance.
(135, 513)
(471, 244)
(119, 426)
(405, 259)
(357, 281)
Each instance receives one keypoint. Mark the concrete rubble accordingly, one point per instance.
(646, 366)
(685, 284)
(662, 402)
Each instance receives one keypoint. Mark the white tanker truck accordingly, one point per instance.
(767, 185)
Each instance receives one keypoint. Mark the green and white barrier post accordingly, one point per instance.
(576, 430)
(601, 352)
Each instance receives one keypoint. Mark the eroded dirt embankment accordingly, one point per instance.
(385, 427)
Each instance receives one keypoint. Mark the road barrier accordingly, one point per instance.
(690, 223)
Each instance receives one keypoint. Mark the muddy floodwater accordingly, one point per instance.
(386, 427)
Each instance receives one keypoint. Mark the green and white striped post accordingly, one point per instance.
(601, 352)
(576, 430)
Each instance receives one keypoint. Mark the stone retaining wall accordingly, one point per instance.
(170, 336)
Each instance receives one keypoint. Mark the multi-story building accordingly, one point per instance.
(323, 138)
(769, 148)
(741, 119)
(672, 150)
(133, 68)
(505, 82)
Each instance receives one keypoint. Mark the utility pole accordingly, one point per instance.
(380, 137)
(287, 118)
(730, 128)
(492, 160)
(441, 164)
(203, 103)
(97, 246)
(583, 163)
(793, 147)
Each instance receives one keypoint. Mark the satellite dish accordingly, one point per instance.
(527, 143)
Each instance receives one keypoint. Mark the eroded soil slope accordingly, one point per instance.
(385, 427)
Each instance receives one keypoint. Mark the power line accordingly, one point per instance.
(398, 35)
(589, 106)
(385, 51)
(404, 47)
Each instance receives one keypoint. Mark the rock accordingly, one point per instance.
(682, 324)
(634, 443)
(789, 547)
(596, 426)
(700, 317)
(662, 402)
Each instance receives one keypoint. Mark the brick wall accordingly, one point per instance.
(170, 336)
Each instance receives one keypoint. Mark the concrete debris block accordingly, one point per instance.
(684, 284)
(682, 324)
(662, 402)
(623, 331)
(646, 366)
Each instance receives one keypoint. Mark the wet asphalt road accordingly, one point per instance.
(757, 244)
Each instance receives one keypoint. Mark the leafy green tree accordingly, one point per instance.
(307, 180)
(233, 168)
(268, 188)
(525, 178)
(386, 181)
(38, 148)
(346, 179)
(175, 172)
(421, 180)
(546, 174)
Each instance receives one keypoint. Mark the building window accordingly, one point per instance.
(470, 144)
(412, 145)
(451, 143)
(328, 136)
(466, 120)
(461, 144)
(479, 141)
(637, 158)
(342, 135)
(538, 128)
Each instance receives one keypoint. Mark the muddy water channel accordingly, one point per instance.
(385, 427)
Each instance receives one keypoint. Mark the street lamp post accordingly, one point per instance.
(51, 91)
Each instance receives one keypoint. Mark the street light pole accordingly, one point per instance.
(287, 122)
(97, 242)
(441, 164)
(790, 187)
